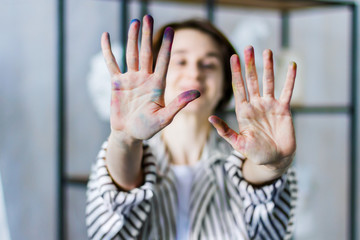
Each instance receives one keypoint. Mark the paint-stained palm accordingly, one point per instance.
(266, 132)
(137, 101)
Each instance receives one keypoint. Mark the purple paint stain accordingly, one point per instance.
(169, 35)
(190, 95)
(116, 85)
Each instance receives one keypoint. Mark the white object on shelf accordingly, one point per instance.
(99, 84)
(282, 61)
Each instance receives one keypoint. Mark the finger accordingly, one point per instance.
(287, 91)
(268, 78)
(132, 52)
(224, 130)
(237, 80)
(162, 62)
(146, 55)
(177, 104)
(108, 55)
(250, 73)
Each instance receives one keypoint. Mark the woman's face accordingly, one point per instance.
(195, 64)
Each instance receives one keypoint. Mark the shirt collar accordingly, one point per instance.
(216, 148)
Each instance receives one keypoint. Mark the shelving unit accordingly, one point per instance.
(285, 7)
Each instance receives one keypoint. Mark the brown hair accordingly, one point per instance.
(226, 49)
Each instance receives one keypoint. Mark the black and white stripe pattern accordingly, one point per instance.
(221, 202)
(269, 210)
(110, 212)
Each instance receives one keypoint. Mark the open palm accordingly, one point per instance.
(266, 132)
(137, 101)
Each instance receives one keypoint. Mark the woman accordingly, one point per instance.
(164, 173)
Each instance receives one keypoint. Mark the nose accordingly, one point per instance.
(194, 71)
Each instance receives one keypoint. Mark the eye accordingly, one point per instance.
(177, 62)
(208, 66)
(180, 62)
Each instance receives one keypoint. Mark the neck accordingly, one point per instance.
(186, 137)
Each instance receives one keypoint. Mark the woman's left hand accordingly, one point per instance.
(266, 133)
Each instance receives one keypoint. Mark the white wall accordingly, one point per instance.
(27, 121)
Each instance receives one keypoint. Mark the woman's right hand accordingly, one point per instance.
(137, 97)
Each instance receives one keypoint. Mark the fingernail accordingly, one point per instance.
(249, 55)
(249, 49)
(134, 20)
(169, 35)
(293, 64)
(213, 120)
(149, 18)
(236, 59)
(268, 53)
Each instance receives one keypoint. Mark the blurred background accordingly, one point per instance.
(318, 38)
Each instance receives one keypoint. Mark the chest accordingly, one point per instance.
(202, 196)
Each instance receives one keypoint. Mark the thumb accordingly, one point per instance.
(177, 104)
(224, 130)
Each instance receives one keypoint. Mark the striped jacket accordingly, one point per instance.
(220, 200)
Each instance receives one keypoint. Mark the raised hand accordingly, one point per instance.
(266, 133)
(137, 101)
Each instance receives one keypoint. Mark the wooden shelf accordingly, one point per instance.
(267, 4)
(76, 179)
(322, 109)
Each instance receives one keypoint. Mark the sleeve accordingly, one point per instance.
(268, 210)
(113, 213)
